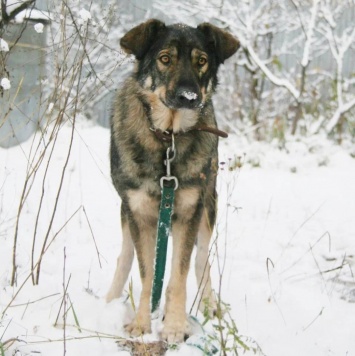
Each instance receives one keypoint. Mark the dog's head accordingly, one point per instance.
(179, 63)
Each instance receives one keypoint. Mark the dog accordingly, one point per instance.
(169, 93)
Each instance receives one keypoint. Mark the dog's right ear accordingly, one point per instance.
(225, 45)
(138, 40)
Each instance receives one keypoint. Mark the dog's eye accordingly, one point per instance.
(165, 59)
(202, 61)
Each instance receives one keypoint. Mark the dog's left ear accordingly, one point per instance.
(224, 43)
(138, 40)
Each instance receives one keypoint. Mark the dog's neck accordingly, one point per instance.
(164, 121)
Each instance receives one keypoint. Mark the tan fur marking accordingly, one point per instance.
(172, 53)
(209, 87)
(195, 56)
(184, 119)
(186, 199)
(148, 82)
(185, 204)
(141, 202)
(171, 84)
(175, 323)
(203, 92)
(161, 115)
(161, 67)
(164, 118)
(206, 92)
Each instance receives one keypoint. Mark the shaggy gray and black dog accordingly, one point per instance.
(169, 92)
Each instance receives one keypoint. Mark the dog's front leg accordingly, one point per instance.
(144, 243)
(187, 214)
(142, 222)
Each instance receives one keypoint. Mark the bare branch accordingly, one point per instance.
(273, 78)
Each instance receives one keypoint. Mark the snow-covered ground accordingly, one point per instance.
(286, 232)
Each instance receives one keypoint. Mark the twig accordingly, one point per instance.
(318, 315)
(56, 201)
(64, 306)
(30, 274)
(298, 229)
(309, 250)
(33, 301)
(40, 206)
(269, 262)
(61, 304)
(9, 341)
(72, 338)
(74, 314)
(93, 236)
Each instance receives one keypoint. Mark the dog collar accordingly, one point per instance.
(166, 136)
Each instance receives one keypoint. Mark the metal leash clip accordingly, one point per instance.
(170, 151)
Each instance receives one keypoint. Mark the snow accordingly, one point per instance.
(4, 47)
(5, 83)
(32, 14)
(189, 95)
(12, 5)
(39, 27)
(285, 229)
(50, 107)
(85, 15)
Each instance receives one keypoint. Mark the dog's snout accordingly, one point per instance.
(186, 98)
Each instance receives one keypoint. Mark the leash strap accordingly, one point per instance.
(164, 223)
(163, 228)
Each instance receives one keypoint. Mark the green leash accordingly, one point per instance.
(163, 228)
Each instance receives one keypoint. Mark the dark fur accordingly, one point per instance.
(168, 96)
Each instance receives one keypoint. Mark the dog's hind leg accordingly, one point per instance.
(124, 262)
(206, 299)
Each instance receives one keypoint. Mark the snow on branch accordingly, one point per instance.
(33, 15)
(19, 11)
(273, 78)
(309, 34)
(338, 113)
(338, 48)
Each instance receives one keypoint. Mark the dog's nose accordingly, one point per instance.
(187, 98)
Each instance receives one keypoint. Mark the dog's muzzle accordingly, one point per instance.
(184, 98)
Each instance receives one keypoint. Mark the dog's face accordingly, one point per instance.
(179, 63)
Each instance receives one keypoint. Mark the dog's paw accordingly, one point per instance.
(175, 331)
(208, 307)
(138, 327)
(113, 293)
(111, 296)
